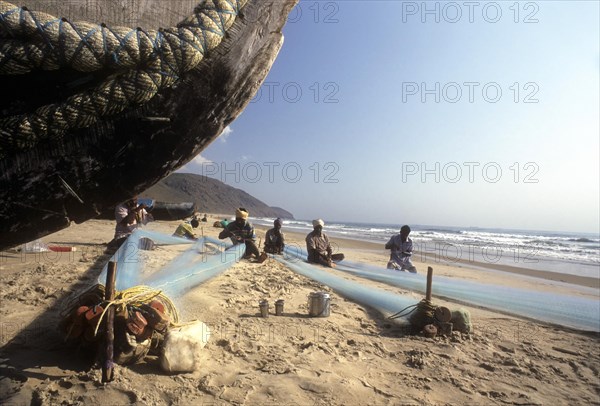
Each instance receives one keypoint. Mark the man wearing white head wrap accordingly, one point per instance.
(318, 246)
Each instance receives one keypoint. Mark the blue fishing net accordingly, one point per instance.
(386, 302)
(567, 310)
(204, 259)
(207, 258)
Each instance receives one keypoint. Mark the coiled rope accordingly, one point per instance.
(143, 61)
(421, 313)
(137, 296)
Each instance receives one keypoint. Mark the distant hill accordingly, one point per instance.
(210, 196)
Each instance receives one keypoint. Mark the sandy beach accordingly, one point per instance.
(354, 357)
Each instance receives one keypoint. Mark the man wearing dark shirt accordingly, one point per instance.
(242, 231)
(274, 239)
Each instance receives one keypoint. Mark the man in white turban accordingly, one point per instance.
(318, 246)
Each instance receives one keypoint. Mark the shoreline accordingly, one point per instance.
(355, 250)
(555, 252)
(420, 257)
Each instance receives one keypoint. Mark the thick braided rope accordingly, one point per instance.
(157, 59)
(41, 41)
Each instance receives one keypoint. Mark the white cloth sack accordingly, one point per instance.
(182, 345)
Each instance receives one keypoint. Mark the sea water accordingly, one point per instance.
(562, 252)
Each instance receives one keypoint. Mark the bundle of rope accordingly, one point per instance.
(429, 318)
(137, 296)
(421, 313)
(142, 311)
(140, 62)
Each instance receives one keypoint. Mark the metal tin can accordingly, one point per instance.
(319, 304)
(279, 307)
(264, 308)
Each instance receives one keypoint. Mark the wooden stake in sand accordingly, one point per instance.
(429, 282)
(109, 295)
(422, 310)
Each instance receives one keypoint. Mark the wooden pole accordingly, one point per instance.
(429, 282)
(109, 295)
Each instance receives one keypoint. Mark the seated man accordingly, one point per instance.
(401, 247)
(129, 216)
(185, 229)
(274, 239)
(241, 231)
(318, 246)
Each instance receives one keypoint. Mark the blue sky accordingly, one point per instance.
(376, 112)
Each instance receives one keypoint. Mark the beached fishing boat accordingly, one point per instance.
(94, 113)
(159, 210)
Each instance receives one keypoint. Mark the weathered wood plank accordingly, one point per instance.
(130, 13)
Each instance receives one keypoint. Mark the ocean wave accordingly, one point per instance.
(563, 246)
(583, 239)
(444, 231)
(549, 243)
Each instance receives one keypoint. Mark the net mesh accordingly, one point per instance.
(206, 258)
(202, 260)
(567, 310)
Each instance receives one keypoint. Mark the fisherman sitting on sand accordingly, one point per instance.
(318, 246)
(401, 247)
(274, 239)
(241, 231)
(186, 229)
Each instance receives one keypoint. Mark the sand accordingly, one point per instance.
(353, 357)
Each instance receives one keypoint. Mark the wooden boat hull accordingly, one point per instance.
(45, 188)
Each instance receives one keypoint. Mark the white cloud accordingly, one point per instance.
(199, 160)
(196, 165)
(225, 134)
